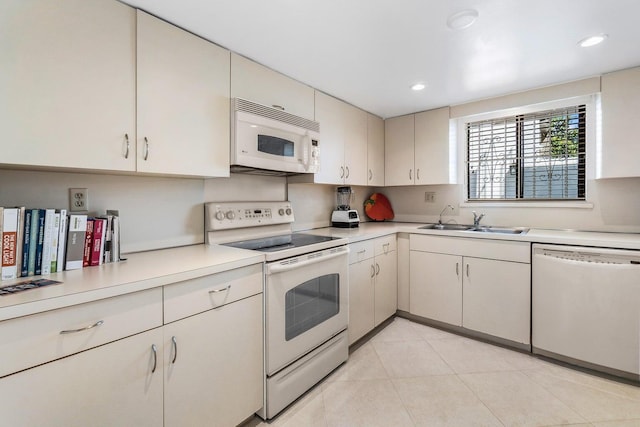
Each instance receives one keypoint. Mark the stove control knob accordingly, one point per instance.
(231, 215)
(219, 215)
(280, 211)
(288, 211)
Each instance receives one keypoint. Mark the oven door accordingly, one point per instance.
(306, 304)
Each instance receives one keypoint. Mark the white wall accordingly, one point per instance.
(155, 212)
(616, 207)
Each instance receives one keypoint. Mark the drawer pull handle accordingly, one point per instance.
(175, 349)
(215, 291)
(457, 269)
(373, 271)
(154, 349)
(377, 269)
(467, 270)
(364, 251)
(385, 248)
(73, 331)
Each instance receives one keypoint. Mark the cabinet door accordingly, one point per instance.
(355, 145)
(435, 286)
(398, 150)
(110, 385)
(497, 298)
(620, 109)
(432, 155)
(386, 294)
(214, 368)
(257, 83)
(375, 150)
(183, 102)
(67, 84)
(361, 299)
(333, 136)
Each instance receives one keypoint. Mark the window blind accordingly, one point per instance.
(536, 156)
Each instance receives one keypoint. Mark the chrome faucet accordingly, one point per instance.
(477, 218)
(445, 208)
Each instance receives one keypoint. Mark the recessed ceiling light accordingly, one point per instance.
(593, 40)
(418, 86)
(463, 19)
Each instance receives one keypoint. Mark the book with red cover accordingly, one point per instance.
(97, 241)
(86, 259)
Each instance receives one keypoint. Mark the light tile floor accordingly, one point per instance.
(414, 375)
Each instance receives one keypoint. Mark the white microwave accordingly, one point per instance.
(273, 141)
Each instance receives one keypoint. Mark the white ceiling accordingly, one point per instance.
(369, 52)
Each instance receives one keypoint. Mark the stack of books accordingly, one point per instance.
(44, 241)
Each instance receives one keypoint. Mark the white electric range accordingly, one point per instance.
(305, 295)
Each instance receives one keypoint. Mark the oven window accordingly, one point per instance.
(311, 303)
(274, 145)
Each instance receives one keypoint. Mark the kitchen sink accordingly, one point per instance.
(501, 230)
(474, 229)
(458, 227)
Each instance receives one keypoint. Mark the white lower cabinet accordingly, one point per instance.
(373, 282)
(114, 384)
(213, 373)
(478, 284)
(113, 362)
(436, 286)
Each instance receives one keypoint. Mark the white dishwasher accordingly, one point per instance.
(586, 307)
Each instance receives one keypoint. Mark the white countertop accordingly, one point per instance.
(146, 270)
(369, 230)
(140, 271)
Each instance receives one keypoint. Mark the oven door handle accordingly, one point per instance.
(278, 267)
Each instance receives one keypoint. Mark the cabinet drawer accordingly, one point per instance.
(385, 244)
(360, 251)
(190, 297)
(480, 248)
(32, 340)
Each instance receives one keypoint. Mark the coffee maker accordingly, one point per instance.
(344, 216)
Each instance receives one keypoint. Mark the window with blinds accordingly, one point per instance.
(538, 156)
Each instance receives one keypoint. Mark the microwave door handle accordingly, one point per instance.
(278, 267)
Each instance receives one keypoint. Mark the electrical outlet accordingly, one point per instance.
(78, 199)
(430, 196)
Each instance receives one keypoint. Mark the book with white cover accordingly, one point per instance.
(49, 219)
(55, 234)
(9, 243)
(77, 226)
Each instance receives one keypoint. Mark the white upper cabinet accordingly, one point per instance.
(432, 155)
(67, 84)
(417, 149)
(375, 153)
(620, 112)
(343, 143)
(399, 150)
(183, 102)
(257, 83)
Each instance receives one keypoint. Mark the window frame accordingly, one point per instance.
(593, 121)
